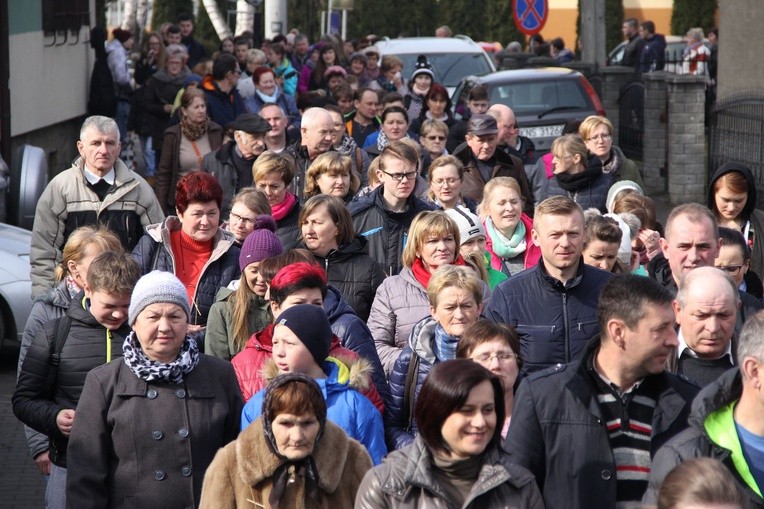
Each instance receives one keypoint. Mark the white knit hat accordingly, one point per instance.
(157, 286)
(468, 223)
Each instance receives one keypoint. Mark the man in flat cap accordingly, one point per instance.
(482, 161)
(232, 163)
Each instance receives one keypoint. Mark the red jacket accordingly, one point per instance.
(249, 364)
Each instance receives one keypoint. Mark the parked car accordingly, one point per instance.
(543, 99)
(675, 45)
(452, 58)
(15, 284)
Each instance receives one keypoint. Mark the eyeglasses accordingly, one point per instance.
(603, 137)
(732, 270)
(436, 138)
(236, 218)
(449, 181)
(500, 356)
(400, 176)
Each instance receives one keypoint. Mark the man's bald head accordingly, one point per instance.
(505, 118)
(317, 129)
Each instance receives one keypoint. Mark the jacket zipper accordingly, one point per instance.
(566, 332)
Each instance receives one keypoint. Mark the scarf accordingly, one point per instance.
(347, 146)
(287, 472)
(163, 76)
(268, 98)
(613, 164)
(574, 182)
(279, 211)
(428, 115)
(150, 370)
(422, 275)
(382, 140)
(192, 130)
(71, 286)
(444, 346)
(503, 247)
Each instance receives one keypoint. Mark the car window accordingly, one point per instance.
(536, 97)
(449, 69)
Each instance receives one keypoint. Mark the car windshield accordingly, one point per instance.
(540, 97)
(449, 68)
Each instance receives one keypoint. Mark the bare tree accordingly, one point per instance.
(128, 17)
(245, 16)
(142, 13)
(217, 20)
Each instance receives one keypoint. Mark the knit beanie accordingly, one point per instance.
(616, 188)
(262, 243)
(468, 224)
(423, 66)
(311, 325)
(157, 286)
(121, 35)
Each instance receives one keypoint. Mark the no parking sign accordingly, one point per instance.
(530, 15)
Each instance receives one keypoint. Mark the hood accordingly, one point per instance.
(115, 46)
(746, 172)
(335, 304)
(422, 338)
(713, 397)
(224, 293)
(209, 85)
(263, 340)
(342, 374)
(164, 77)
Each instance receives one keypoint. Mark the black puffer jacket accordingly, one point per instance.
(385, 230)
(555, 321)
(354, 273)
(221, 164)
(696, 441)
(592, 195)
(302, 162)
(154, 252)
(86, 347)
(288, 228)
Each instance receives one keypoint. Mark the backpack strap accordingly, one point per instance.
(56, 346)
(409, 391)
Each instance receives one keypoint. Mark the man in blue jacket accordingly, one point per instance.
(588, 430)
(553, 304)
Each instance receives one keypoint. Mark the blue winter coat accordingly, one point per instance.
(555, 321)
(345, 406)
(354, 335)
(420, 345)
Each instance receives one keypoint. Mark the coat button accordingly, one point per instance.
(180, 393)
(185, 471)
(151, 394)
(606, 475)
(183, 432)
(159, 475)
(157, 435)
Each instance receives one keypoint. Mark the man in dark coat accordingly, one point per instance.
(653, 55)
(482, 161)
(195, 49)
(317, 136)
(224, 103)
(552, 305)
(633, 49)
(588, 430)
(727, 423)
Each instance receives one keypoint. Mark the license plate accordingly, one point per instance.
(544, 131)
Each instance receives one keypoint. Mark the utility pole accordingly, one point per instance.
(275, 18)
(593, 31)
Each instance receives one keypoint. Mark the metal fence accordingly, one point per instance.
(736, 133)
(631, 119)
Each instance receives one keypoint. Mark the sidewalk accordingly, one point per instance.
(21, 485)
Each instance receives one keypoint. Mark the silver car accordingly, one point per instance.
(15, 284)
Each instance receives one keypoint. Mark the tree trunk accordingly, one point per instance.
(245, 16)
(128, 18)
(217, 20)
(142, 14)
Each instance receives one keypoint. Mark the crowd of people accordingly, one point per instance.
(335, 294)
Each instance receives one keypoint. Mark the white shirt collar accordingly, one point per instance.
(93, 178)
(683, 346)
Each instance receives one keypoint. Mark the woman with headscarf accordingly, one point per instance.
(291, 456)
(149, 425)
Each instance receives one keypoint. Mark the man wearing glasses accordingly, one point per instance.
(224, 103)
(384, 216)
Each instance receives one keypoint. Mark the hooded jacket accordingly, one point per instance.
(222, 107)
(711, 434)
(241, 475)
(154, 252)
(405, 481)
(385, 230)
(345, 406)
(653, 55)
(116, 56)
(558, 431)
(250, 362)
(88, 345)
(354, 273)
(554, 321)
(753, 227)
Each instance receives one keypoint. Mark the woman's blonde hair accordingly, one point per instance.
(591, 123)
(454, 276)
(491, 186)
(334, 164)
(84, 236)
(425, 225)
(570, 144)
(270, 162)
